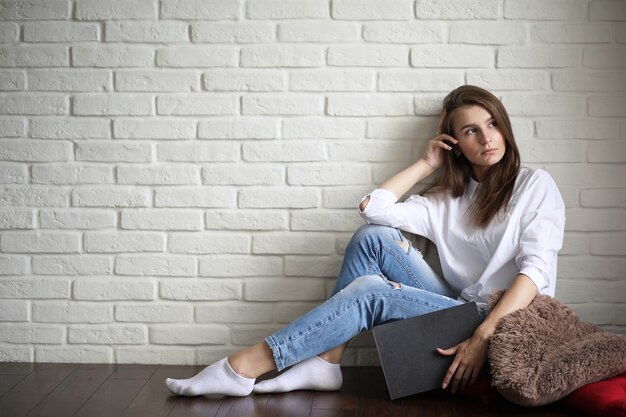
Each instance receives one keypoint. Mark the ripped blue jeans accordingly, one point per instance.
(382, 279)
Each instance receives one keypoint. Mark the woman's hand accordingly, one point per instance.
(433, 155)
(469, 358)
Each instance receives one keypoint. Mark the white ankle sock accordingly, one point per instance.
(218, 378)
(314, 374)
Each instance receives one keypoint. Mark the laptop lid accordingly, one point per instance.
(407, 348)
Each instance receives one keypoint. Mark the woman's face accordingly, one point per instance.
(480, 138)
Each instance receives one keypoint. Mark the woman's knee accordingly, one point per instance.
(368, 232)
(368, 285)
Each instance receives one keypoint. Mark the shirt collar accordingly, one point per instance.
(472, 185)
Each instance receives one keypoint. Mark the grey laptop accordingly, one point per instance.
(407, 348)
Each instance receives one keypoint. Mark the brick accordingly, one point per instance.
(404, 32)
(457, 9)
(570, 195)
(572, 32)
(189, 334)
(592, 267)
(621, 34)
(537, 57)
(9, 32)
(367, 56)
(33, 104)
(243, 80)
(451, 56)
(607, 106)
(47, 288)
(107, 334)
(163, 80)
(593, 175)
(233, 32)
(509, 79)
(70, 128)
(595, 81)
(110, 197)
(238, 128)
(270, 56)
(55, 312)
(344, 197)
(153, 128)
(71, 174)
(596, 220)
(328, 174)
(106, 56)
(493, 33)
(401, 128)
(114, 288)
(603, 197)
(146, 32)
(372, 10)
(322, 127)
(14, 174)
(112, 105)
(609, 152)
(552, 151)
(278, 197)
(418, 80)
(34, 56)
(607, 10)
(286, 9)
(231, 312)
(369, 151)
(72, 265)
(369, 105)
(293, 243)
(69, 80)
(332, 80)
(155, 355)
(31, 333)
(14, 311)
(608, 244)
(12, 81)
(76, 219)
(312, 266)
(119, 151)
(383, 171)
(237, 174)
(318, 32)
(158, 175)
(288, 151)
(196, 105)
(158, 219)
(249, 335)
(208, 243)
(116, 9)
(12, 128)
(234, 266)
(325, 220)
(33, 196)
(598, 314)
(293, 104)
(197, 9)
(195, 197)
(34, 10)
(543, 105)
(60, 32)
(246, 220)
(119, 242)
(581, 128)
(571, 291)
(60, 354)
(154, 313)
(155, 265)
(37, 242)
(271, 289)
(198, 152)
(200, 290)
(32, 150)
(605, 57)
(13, 265)
(545, 10)
(197, 56)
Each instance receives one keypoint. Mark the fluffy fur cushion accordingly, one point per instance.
(543, 352)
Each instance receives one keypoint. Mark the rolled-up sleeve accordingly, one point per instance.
(543, 226)
(410, 215)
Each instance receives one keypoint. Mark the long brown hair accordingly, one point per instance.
(496, 188)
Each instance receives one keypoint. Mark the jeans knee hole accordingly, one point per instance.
(404, 244)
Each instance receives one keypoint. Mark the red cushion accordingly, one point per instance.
(605, 398)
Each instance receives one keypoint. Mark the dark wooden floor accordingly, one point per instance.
(138, 390)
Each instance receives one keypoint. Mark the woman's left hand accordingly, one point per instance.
(469, 358)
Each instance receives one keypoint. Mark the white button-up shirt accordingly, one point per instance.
(524, 239)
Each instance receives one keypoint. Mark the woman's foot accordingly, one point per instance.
(218, 378)
(312, 374)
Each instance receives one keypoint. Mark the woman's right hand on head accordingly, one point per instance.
(435, 148)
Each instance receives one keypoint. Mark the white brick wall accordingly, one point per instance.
(178, 177)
